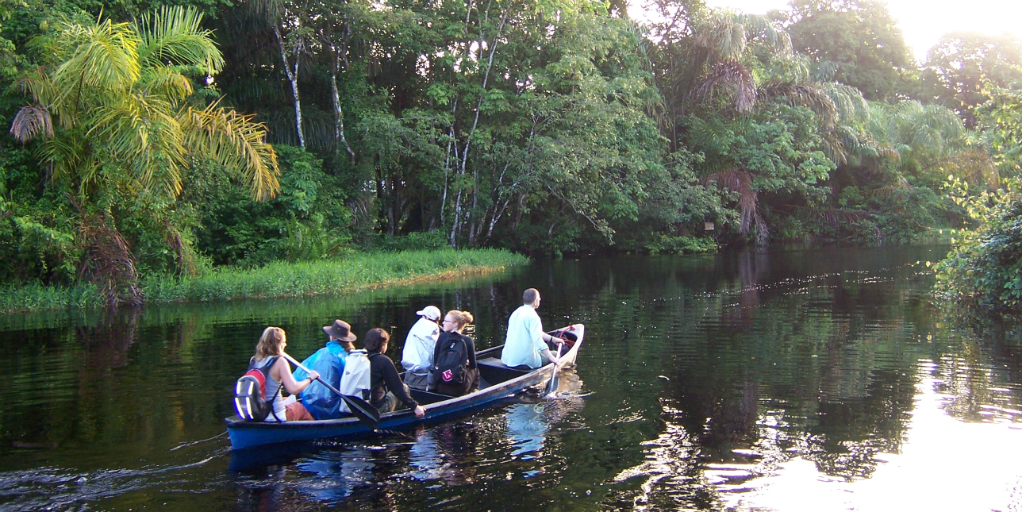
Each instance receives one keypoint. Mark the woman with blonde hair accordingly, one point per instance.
(464, 377)
(268, 352)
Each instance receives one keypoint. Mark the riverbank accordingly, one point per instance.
(278, 279)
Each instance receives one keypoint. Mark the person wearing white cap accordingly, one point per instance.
(418, 354)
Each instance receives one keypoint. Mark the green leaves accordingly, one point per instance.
(116, 92)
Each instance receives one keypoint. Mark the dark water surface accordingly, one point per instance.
(783, 380)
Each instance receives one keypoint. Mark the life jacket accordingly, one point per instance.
(249, 392)
(356, 379)
(450, 367)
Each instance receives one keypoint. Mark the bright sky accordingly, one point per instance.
(924, 21)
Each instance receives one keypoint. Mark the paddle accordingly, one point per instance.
(368, 415)
(553, 382)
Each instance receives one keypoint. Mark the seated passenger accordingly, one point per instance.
(271, 346)
(419, 345)
(455, 372)
(329, 362)
(525, 340)
(386, 387)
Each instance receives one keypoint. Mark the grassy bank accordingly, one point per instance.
(279, 279)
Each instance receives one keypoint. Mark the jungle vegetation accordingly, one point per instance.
(171, 137)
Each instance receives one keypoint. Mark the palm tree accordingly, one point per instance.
(118, 121)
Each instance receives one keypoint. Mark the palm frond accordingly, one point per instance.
(809, 96)
(167, 83)
(898, 185)
(849, 102)
(108, 260)
(761, 28)
(140, 133)
(238, 143)
(740, 182)
(105, 58)
(834, 148)
(840, 217)
(30, 122)
(824, 71)
(730, 75)
(722, 35)
(37, 84)
(175, 35)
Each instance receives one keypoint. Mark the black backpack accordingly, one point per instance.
(450, 366)
(249, 392)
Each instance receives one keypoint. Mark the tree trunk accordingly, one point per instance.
(479, 103)
(293, 77)
(455, 220)
(339, 117)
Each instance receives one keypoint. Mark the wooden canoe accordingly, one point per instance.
(498, 383)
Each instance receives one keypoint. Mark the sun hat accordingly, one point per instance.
(340, 331)
(430, 313)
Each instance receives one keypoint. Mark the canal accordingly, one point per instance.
(783, 380)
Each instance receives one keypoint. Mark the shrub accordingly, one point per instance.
(983, 269)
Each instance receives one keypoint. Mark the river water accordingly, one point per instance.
(784, 380)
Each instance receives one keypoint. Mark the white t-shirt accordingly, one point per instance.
(418, 354)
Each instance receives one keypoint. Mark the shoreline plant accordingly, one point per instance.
(276, 280)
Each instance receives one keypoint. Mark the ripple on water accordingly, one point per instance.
(63, 489)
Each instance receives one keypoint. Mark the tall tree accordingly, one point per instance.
(961, 63)
(860, 37)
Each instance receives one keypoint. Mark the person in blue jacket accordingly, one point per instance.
(329, 362)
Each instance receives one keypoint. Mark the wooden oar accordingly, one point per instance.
(368, 415)
(553, 382)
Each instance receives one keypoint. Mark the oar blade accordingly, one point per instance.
(552, 383)
(367, 414)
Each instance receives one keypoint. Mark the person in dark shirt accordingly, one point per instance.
(454, 322)
(386, 387)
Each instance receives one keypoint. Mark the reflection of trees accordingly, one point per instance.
(669, 477)
(969, 384)
(445, 452)
(117, 382)
(762, 359)
(802, 360)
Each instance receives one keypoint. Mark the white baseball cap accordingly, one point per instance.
(430, 313)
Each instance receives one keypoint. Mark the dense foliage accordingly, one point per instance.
(546, 127)
(984, 266)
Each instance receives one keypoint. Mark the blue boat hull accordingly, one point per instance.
(246, 434)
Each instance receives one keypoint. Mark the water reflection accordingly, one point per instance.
(712, 382)
(945, 465)
(446, 453)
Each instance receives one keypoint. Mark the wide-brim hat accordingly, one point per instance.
(430, 313)
(340, 331)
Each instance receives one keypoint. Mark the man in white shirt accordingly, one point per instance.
(418, 354)
(525, 339)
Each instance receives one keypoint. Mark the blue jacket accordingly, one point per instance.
(329, 362)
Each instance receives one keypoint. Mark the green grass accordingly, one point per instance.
(279, 279)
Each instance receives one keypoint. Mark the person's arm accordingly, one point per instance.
(395, 384)
(288, 380)
(551, 357)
